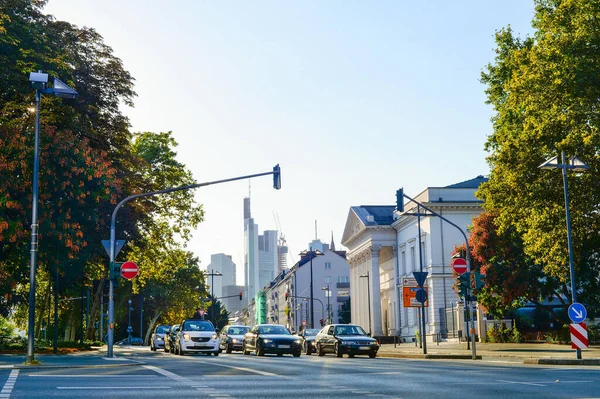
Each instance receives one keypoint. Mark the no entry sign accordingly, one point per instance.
(459, 265)
(129, 270)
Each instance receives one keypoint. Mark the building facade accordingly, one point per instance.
(221, 263)
(384, 251)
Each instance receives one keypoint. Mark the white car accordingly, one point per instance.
(197, 336)
(157, 340)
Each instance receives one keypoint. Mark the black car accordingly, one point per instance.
(170, 338)
(231, 338)
(271, 338)
(345, 338)
(157, 340)
(308, 336)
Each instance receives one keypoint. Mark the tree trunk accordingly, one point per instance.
(94, 311)
(42, 312)
(151, 325)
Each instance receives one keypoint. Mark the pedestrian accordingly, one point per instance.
(199, 314)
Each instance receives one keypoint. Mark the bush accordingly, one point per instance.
(517, 338)
(594, 333)
(504, 335)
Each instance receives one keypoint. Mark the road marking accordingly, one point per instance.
(259, 372)
(113, 387)
(192, 384)
(90, 376)
(10, 384)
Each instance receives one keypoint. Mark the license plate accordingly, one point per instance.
(364, 348)
(284, 346)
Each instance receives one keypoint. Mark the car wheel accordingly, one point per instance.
(152, 347)
(216, 353)
(336, 350)
(307, 350)
(320, 350)
(165, 349)
(244, 350)
(372, 354)
(297, 353)
(279, 354)
(350, 354)
(228, 349)
(260, 351)
(181, 351)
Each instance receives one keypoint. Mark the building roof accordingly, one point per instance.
(375, 215)
(473, 183)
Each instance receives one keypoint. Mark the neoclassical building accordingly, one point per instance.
(383, 252)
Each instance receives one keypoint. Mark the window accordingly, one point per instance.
(327, 279)
(327, 265)
(413, 258)
(343, 279)
(403, 265)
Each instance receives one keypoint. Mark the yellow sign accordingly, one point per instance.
(409, 294)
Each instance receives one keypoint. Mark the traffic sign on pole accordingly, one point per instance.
(577, 312)
(579, 335)
(459, 265)
(129, 270)
(420, 278)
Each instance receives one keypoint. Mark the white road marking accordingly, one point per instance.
(119, 388)
(259, 372)
(10, 384)
(90, 376)
(192, 384)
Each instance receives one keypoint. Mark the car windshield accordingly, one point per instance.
(349, 330)
(238, 330)
(311, 332)
(199, 325)
(273, 330)
(162, 329)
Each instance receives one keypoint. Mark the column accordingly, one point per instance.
(374, 280)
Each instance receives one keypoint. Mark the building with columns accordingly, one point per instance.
(384, 251)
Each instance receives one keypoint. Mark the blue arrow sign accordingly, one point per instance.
(577, 312)
(420, 277)
(421, 295)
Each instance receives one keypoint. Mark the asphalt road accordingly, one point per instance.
(237, 376)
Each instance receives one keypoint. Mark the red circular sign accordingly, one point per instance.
(459, 265)
(129, 270)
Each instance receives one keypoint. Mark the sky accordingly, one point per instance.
(353, 99)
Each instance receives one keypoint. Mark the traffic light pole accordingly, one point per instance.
(314, 299)
(468, 259)
(276, 172)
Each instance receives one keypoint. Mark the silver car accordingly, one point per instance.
(231, 338)
(157, 340)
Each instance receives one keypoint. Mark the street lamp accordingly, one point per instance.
(328, 294)
(39, 82)
(212, 275)
(576, 165)
(368, 297)
(312, 254)
(129, 323)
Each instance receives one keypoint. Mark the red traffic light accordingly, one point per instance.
(240, 295)
(286, 295)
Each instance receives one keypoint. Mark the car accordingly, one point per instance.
(137, 341)
(308, 336)
(231, 337)
(157, 340)
(345, 338)
(170, 338)
(196, 335)
(271, 338)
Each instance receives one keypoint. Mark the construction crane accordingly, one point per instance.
(281, 237)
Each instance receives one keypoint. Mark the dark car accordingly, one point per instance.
(170, 338)
(231, 338)
(137, 341)
(157, 340)
(271, 338)
(345, 338)
(308, 336)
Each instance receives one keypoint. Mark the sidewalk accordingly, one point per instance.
(90, 359)
(538, 353)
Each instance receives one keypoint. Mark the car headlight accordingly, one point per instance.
(186, 337)
(298, 341)
(214, 336)
(235, 341)
(267, 341)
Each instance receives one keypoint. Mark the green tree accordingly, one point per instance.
(545, 90)
(217, 313)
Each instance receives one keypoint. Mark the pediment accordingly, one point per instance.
(354, 225)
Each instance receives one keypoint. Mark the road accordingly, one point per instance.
(238, 376)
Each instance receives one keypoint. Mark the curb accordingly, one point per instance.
(564, 362)
(428, 356)
(74, 366)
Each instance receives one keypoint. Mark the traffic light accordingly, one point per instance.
(276, 177)
(479, 280)
(240, 295)
(400, 200)
(322, 322)
(286, 295)
(464, 283)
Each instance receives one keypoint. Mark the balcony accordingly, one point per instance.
(343, 285)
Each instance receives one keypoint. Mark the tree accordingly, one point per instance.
(217, 313)
(545, 90)
(344, 315)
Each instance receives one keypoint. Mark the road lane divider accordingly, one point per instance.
(9, 384)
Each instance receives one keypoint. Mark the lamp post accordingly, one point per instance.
(129, 322)
(39, 82)
(212, 275)
(368, 297)
(328, 295)
(576, 165)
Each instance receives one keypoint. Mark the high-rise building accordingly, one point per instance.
(223, 264)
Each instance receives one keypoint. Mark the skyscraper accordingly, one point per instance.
(223, 264)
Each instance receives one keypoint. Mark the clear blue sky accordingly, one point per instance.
(353, 99)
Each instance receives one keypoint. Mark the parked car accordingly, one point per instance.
(170, 338)
(197, 336)
(271, 338)
(231, 338)
(345, 338)
(157, 340)
(308, 336)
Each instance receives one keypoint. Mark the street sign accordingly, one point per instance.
(577, 312)
(409, 296)
(118, 245)
(407, 282)
(579, 336)
(129, 270)
(459, 265)
(420, 277)
(421, 295)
